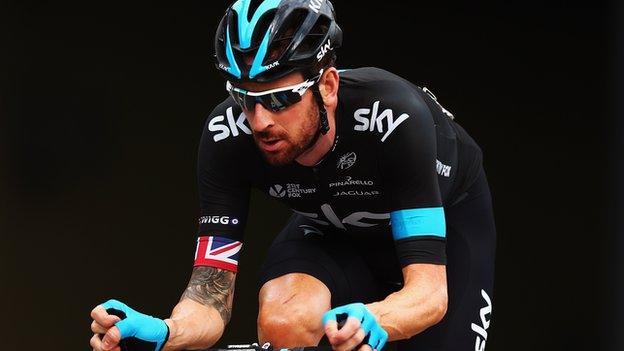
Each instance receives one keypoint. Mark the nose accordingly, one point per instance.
(259, 118)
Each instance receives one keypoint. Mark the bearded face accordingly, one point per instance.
(284, 135)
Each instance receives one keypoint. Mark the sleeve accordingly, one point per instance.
(409, 168)
(223, 193)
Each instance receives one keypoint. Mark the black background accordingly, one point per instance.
(103, 104)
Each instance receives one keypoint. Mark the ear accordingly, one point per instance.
(328, 86)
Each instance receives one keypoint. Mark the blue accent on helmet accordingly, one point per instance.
(248, 32)
(418, 222)
(257, 67)
(234, 69)
(245, 27)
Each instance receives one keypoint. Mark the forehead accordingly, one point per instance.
(291, 79)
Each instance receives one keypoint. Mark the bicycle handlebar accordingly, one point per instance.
(341, 319)
(268, 347)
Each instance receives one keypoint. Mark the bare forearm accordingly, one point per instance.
(193, 326)
(205, 307)
(420, 304)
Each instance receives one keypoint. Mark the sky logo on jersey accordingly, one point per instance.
(357, 219)
(309, 231)
(233, 127)
(371, 119)
(481, 330)
(219, 252)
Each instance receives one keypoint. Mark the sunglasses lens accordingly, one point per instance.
(249, 103)
(275, 101)
(280, 100)
(243, 100)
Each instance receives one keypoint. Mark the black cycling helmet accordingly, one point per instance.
(263, 40)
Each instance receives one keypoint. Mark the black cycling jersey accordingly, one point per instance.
(396, 151)
(367, 271)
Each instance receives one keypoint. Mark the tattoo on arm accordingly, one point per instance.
(212, 287)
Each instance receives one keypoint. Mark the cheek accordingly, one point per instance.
(297, 120)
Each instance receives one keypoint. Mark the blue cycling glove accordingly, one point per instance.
(139, 332)
(376, 337)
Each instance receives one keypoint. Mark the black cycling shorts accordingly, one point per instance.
(365, 269)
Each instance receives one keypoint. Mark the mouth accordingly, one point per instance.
(270, 145)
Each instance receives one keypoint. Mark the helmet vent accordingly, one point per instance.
(233, 23)
(287, 32)
(264, 40)
(261, 27)
(253, 6)
(313, 41)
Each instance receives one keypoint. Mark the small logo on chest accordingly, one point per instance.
(347, 160)
(277, 191)
(291, 190)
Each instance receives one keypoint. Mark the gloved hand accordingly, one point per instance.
(138, 331)
(361, 327)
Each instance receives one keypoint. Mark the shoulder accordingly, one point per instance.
(374, 77)
(371, 84)
(226, 123)
(379, 102)
(226, 136)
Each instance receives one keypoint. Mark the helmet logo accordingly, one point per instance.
(315, 5)
(324, 49)
(274, 64)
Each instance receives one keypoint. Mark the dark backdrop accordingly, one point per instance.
(102, 107)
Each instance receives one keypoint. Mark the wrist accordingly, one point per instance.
(375, 309)
(174, 335)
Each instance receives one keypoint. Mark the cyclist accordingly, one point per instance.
(392, 223)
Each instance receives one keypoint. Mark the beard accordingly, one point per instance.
(296, 143)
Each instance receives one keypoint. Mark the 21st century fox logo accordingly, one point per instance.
(291, 190)
(277, 191)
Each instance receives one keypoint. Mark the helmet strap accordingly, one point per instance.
(323, 127)
(323, 121)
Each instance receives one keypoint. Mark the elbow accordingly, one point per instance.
(439, 307)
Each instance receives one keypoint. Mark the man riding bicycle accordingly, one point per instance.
(392, 225)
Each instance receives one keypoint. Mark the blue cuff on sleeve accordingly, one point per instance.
(418, 222)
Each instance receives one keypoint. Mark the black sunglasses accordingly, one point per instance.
(274, 99)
